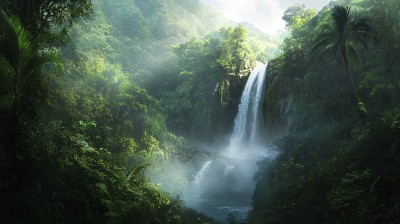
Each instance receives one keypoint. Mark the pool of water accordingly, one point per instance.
(220, 207)
(222, 188)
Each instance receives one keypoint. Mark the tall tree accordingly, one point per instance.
(296, 15)
(341, 36)
(235, 54)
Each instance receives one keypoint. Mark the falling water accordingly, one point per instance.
(200, 175)
(248, 129)
(225, 185)
(216, 88)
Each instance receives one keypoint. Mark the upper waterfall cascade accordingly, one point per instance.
(249, 122)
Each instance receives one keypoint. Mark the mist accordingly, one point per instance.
(220, 182)
(166, 111)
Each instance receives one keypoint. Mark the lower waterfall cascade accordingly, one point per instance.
(224, 185)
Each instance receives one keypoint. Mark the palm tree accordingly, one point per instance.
(20, 61)
(341, 36)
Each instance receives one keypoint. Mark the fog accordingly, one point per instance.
(221, 182)
(266, 15)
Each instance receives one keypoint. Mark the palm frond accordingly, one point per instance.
(24, 44)
(329, 50)
(317, 46)
(8, 41)
(323, 46)
(42, 58)
(51, 57)
(362, 23)
(362, 31)
(7, 74)
(20, 59)
(353, 55)
(340, 15)
(326, 28)
(344, 30)
(17, 41)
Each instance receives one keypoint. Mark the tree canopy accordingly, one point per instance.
(48, 17)
(106, 106)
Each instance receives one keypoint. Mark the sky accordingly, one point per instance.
(266, 15)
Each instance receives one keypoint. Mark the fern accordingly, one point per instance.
(136, 174)
(20, 62)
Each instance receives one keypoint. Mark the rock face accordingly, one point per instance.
(237, 84)
(277, 105)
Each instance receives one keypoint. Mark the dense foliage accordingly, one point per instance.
(208, 85)
(48, 20)
(77, 132)
(95, 96)
(335, 164)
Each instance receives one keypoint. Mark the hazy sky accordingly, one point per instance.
(264, 14)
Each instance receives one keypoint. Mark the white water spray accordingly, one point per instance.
(225, 185)
(200, 175)
(248, 131)
(215, 89)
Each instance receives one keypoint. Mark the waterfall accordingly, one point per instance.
(249, 129)
(228, 169)
(200, 175)
(225, 184)
(216, 88)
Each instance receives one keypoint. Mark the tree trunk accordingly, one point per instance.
(347, 67)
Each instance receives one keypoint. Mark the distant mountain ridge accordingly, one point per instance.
(140, 35)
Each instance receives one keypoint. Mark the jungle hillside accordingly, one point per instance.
(164, 111)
